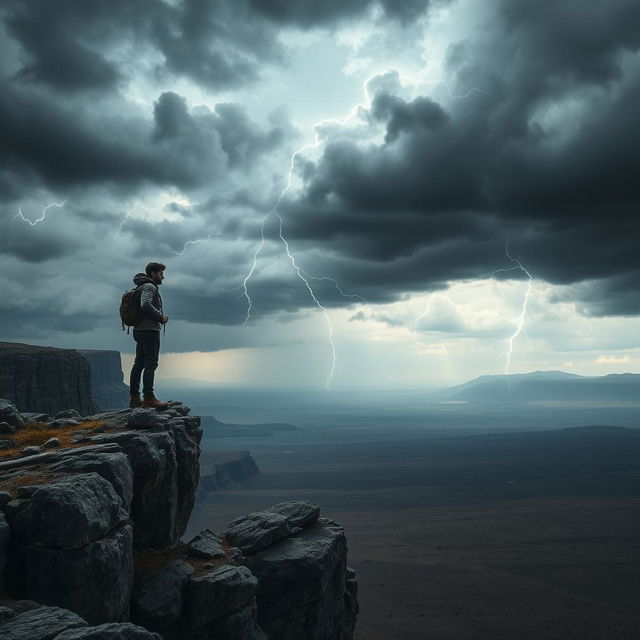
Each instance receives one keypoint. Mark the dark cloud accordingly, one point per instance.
(65, 147)
(75, 45)
(328, 13)
(35, 245)
(541, 155)
(66, 45)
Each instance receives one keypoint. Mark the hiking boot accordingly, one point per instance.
(134, 400)
(152, 402)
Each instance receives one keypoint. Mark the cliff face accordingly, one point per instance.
(45, 379)
(49, 380)
(107, 386)
(220, 469)
(89, 535)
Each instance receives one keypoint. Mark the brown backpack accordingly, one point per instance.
(130, 311)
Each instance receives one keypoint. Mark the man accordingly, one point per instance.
(146, 333)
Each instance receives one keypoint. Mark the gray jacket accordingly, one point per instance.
(150, 303)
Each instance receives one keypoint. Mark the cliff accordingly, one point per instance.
(90, 546)
(107, 387)
(45, 379)
(222, 469)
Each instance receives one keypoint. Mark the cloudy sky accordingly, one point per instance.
(366, 193)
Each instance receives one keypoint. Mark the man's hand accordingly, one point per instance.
(164, 319)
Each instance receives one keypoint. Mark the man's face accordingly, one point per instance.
(157, 276)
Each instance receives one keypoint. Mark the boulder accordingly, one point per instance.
(145, 419)
(206, 545)
(180, 606)
(177, 408)
(112, 466)
(95, 580)
(68, 413)
(218, 594)
(7, 429)
(31, 450)
(298, 514)
(51, 443)
(60, 423)
(67, 513)
(72, 547)
(257, 531)
(302, 586)
(34, 416)
(110, 631)
(39, 623)
(158, 604)
(9, 414)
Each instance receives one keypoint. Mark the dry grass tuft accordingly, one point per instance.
(37, 476)
(34, 433)
(147, 561)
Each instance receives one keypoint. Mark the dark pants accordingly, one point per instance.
(147, 352)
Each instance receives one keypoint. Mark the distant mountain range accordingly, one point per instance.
(546, 387)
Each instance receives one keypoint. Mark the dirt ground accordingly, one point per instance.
(539, 569)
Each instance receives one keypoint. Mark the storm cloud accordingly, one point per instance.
(147, 119)
(540, 154)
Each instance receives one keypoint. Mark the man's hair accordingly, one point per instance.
(154, 267)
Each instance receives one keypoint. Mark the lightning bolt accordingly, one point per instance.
(358, 109)
(188, 243)
(523, 313)
(302, 275)
(130, 212)
(305, 279)
(33, 223)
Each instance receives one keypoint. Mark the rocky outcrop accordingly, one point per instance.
(27, 620)
(72, 546)
(305, 590)
(107, 387)
(76, 515)
(223, 469)
(183, 605)
(90, 535)
(45, 379)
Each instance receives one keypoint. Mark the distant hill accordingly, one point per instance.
(546, 387)
(215, 429)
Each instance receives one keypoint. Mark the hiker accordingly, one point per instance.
(146, 333)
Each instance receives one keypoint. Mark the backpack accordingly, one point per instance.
(130, 311)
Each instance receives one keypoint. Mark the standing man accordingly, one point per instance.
(146, 333)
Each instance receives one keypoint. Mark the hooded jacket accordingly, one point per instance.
(150, 303)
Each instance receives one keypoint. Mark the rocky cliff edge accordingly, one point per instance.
(90, 527)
